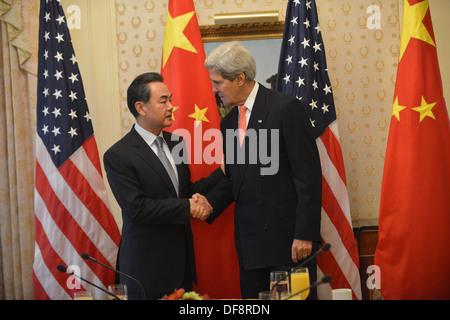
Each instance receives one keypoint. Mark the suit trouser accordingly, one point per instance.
(187, 285)
(254, 281)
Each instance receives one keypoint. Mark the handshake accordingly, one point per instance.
(200, 207)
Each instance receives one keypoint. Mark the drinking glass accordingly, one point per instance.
(120, 290)
(279, 278)
(299, 281)
(82, 295)
(269, 295)
(265, 295)
(341, 294)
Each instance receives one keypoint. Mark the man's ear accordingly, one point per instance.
(240, 79)
(139, 106)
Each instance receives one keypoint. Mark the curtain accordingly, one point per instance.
(19, 25)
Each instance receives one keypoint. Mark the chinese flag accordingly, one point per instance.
(195, 111)
(414, 221)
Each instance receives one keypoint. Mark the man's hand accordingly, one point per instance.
(200, 207)
(301, 249)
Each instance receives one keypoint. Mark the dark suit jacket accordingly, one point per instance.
(272, 210)
(157, 240)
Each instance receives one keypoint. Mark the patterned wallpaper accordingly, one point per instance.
(362, 56)
(362, 42)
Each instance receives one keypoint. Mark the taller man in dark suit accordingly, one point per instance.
(154, 190)
(278, 204)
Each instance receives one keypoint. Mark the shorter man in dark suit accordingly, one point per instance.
(156, 196)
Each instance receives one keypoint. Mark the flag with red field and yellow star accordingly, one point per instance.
(414, 220)
(195, 111)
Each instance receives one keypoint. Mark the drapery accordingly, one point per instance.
(18, 65)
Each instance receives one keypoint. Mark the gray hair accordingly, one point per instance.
(230, 59)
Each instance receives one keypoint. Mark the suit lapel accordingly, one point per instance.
(259, 110)
(180, 160)
(256, 122)
(258, 116)
(144, 151)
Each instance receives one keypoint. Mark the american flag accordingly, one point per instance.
(72, 213)
(302, 72)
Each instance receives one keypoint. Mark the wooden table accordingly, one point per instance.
(366, 237)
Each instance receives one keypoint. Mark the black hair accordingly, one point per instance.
(140, 91)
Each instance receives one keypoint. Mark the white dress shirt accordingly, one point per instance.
(250, 101)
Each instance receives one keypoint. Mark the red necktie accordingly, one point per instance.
(242, 123)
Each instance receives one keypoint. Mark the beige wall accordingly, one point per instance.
(94, 41)
(119, 39)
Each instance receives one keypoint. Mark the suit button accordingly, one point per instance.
(260, 202)
(266, 226)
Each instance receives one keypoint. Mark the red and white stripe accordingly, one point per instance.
(341, 262)
(72, 216)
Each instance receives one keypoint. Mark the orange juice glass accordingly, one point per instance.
(299, 281)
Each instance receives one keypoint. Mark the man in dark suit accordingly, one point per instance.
(278, 204)
(156, 247)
